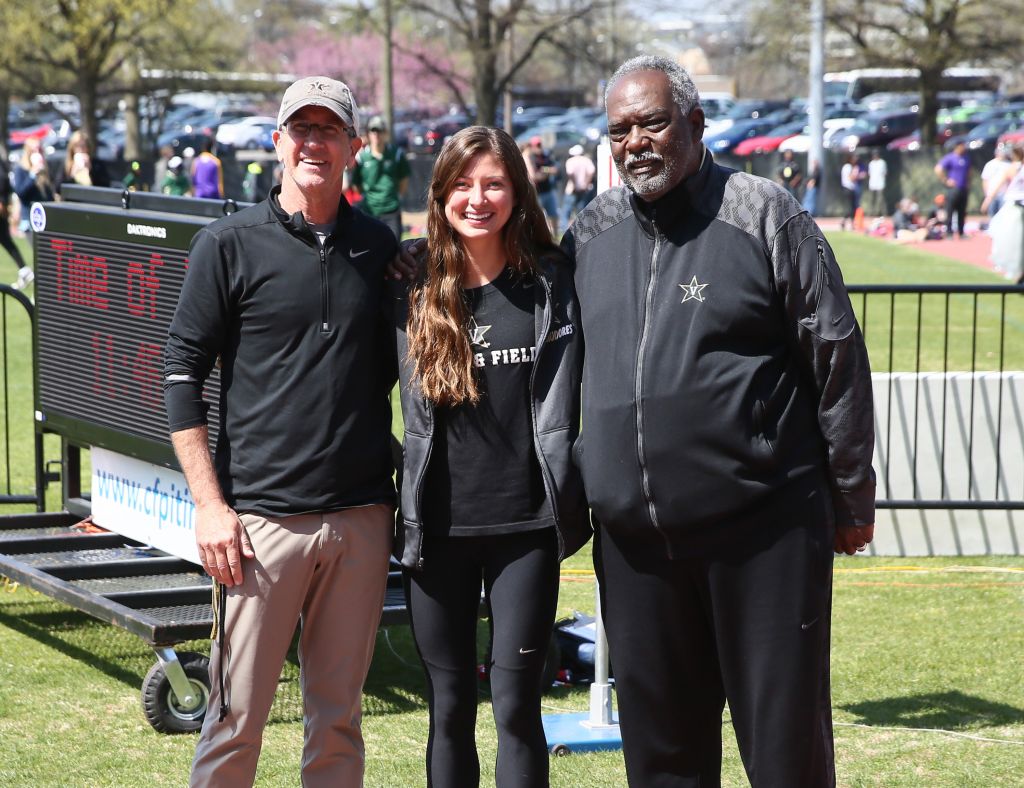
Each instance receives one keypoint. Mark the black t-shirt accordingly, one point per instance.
(484, 476)
(544, 182)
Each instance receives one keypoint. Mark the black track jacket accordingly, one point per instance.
(307, 358)
(723, 360)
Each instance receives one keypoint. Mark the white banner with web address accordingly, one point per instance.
(145, 502)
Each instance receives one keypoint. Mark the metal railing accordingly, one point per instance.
(17, 402)
(948, 369)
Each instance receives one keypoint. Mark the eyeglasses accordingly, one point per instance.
(300, 129)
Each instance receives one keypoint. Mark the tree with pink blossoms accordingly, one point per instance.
(356, 60)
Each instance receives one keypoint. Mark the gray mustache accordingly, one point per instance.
(636, 158)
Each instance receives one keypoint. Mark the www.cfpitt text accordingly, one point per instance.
(167, 507)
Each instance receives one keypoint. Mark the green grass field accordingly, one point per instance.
(961, 333)
(926, 665)
(925, 670)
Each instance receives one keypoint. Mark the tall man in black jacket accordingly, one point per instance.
(726, 446)
(294, 515)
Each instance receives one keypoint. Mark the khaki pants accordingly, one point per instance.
(330, 571)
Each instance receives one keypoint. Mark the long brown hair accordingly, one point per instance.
(78, 142)
(437, 328)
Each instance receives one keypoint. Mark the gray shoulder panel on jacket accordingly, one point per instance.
(604, 211)
(753, 205)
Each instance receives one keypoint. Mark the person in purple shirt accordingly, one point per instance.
(954, 170)
(207, 173)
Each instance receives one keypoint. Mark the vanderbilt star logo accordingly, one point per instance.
(476, 333)
(693, 291)
(317, 87)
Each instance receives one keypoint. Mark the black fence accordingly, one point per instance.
(948, 368)
(21, 469)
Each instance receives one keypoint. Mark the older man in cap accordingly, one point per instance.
(294, 512)
(381, 175)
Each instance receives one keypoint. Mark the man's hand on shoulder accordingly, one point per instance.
(407, 264)
(222, 543)
(854, 538)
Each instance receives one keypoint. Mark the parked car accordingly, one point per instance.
(558, 140)
(1012, 137)
(429, 136)
(18, 136)
(983, 135)
(964, 112)
(942, 134)
(109, 144)
(742, 110)
(244, 133)
(875, 129)
(181, 141)
(585, 127)
(1011, 111)
(801, 143)
(754, 108)
(740, 130)
(891, 102)
(533, 114)
(716, 105)
(770, 141)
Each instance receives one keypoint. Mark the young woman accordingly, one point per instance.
(1007, 226)
(79, 166)
(851, 178)
(32, 184)
(490, 356)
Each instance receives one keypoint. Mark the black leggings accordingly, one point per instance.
(852, 203)
(8, 243)
(519, 573)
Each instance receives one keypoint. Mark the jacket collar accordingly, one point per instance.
(656, 217)
(296, 223)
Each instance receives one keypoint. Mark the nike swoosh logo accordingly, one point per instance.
(837, 320)
(354, 254)
(527, 650)
(809, 624)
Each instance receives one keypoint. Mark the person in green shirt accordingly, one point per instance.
(176, 182)
(381, 175)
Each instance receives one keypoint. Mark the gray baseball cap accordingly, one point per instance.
(320, 92)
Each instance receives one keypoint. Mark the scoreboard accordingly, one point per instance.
(108, 274)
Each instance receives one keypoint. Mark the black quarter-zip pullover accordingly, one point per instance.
(306, 353)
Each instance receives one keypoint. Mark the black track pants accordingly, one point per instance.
(519, 573)
(956, 205)
(747, 625)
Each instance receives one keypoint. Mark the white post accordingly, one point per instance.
(600, 690)
(816, 98)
